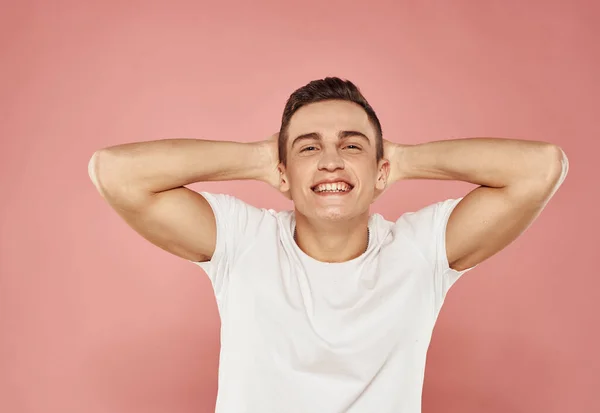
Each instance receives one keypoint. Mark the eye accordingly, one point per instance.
(308, 148)
(352, 147)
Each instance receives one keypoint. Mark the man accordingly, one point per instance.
(327, 308)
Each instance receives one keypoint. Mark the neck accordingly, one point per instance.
(332, 241)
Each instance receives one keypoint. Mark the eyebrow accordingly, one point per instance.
(341, 135)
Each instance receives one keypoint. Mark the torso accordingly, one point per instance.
(299, 335)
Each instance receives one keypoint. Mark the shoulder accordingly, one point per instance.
(231, 202)
(427, 217)
(426, 227)
(234, 212)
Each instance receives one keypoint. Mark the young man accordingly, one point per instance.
(327, 308)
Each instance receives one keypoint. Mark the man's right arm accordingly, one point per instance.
(145, 184)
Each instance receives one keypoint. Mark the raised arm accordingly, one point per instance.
(517, 178)
(145, 184)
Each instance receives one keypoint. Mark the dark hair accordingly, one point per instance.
(329, 88)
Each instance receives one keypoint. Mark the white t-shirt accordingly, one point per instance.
(303, 336)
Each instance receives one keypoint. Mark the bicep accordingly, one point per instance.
(179, 221)
(487, 220)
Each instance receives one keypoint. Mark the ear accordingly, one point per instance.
(284, 183)
(383, 173)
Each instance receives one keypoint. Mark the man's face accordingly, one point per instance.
(332, 170)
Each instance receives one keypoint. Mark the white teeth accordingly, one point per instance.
(333, 187)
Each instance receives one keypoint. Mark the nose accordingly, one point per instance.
(330, 160)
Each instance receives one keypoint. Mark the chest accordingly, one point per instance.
(290, 309)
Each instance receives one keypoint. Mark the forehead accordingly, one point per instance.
(329, 117)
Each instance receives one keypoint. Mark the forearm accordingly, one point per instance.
(491, 162)
(156, 166)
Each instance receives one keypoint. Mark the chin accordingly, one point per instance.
(336, 213)
(332, 209)
(332, 214)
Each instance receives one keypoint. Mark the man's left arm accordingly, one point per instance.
(517, 178)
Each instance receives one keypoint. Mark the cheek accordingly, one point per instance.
(366, 173)
(298, 180)
(300, 172)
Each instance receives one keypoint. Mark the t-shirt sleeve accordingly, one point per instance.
(428, 230)
(237, 224)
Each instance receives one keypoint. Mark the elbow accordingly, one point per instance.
(93, 170)
(102, 171)
(110, 173)
(557, 166)
(553, 172)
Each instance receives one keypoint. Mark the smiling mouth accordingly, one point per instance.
(332, 188)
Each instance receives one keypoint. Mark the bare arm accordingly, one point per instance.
(145, 184)
(517, 178)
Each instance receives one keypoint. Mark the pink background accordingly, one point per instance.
(94, 319)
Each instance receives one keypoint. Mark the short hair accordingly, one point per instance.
(329, 88)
